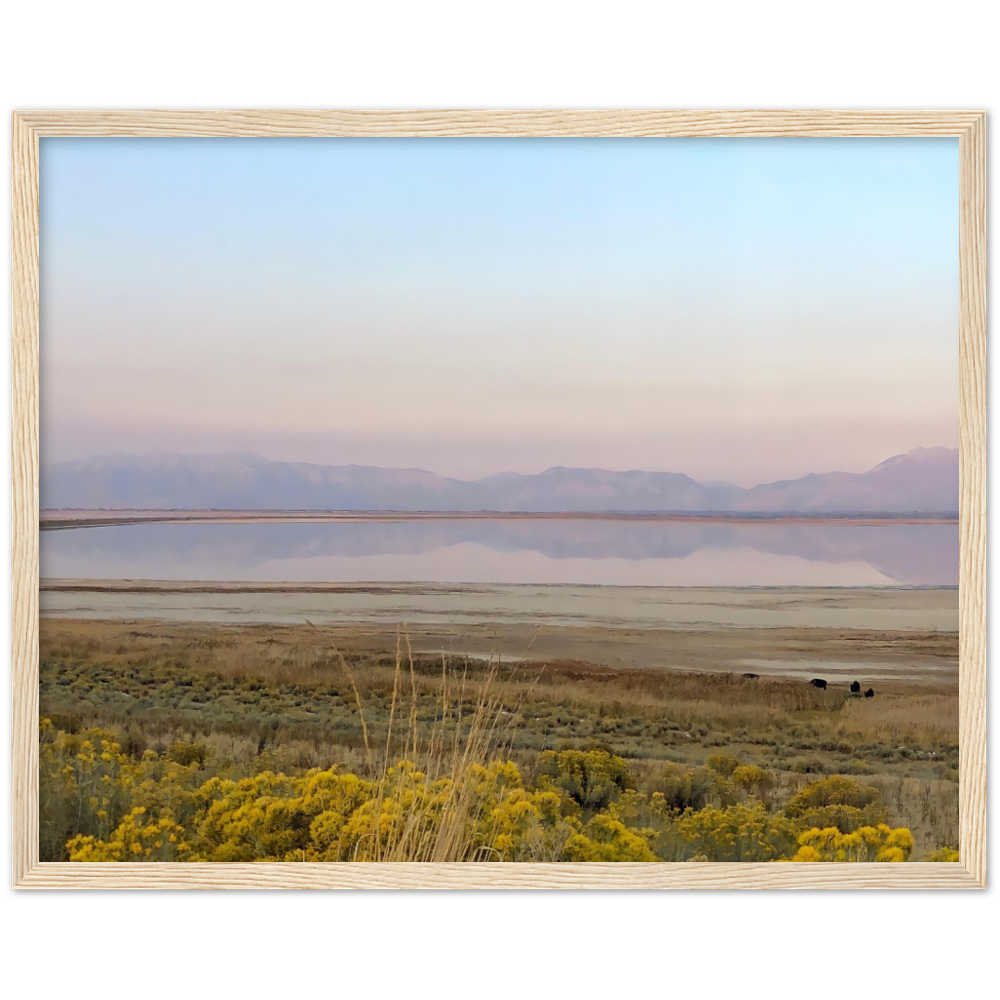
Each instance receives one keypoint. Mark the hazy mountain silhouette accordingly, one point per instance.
(924, 480)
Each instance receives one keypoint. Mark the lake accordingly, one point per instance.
(585, 551)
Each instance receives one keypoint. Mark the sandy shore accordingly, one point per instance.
(872, 633)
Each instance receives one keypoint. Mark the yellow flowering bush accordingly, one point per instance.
(401, 818)
(256, 818)
(693, 788)
(101, 803)
(738, 833)
(525, 826)
(592, 778)
(752, 779)
(835, 790)
(867, 843)
(605, 838)
(722, 763)
(85, 783)
(947, 854)
(838, 802)
(138, 837)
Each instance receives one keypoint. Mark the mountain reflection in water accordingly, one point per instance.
(603, 552)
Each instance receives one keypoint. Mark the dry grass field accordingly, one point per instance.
(286, 699)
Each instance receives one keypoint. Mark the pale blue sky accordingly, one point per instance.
(732, 308)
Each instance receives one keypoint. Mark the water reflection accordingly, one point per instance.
(513, 551)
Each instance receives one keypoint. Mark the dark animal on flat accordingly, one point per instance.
(870, 693)
(855, 688)
(751, 677)
(818, 682)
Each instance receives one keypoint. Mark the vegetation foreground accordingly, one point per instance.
(264, 744)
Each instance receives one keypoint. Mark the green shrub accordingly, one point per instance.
(836, 790)
(839, 803)
(592, 778)
(188, 753)
(739, 833)
(722, 763)
(690, 788)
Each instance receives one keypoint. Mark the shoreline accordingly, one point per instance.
(62, 519)
(148, 586)
(881, 633)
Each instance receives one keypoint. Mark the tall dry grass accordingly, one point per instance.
(442, 819)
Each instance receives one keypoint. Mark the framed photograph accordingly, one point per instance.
(499, 499)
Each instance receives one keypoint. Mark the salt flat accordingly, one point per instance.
(901, 633)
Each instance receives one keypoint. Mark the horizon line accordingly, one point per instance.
(714, 481)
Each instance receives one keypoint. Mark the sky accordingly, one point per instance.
(741, 310)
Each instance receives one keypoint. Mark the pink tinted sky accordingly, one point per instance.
(739, 310)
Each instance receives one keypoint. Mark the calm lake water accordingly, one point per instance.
(587, 551)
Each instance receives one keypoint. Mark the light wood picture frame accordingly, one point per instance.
(967, 126)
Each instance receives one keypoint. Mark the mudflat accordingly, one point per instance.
(869, 634)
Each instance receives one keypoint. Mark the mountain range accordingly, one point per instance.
(924, 480)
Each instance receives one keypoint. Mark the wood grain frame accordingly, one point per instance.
(967, 126)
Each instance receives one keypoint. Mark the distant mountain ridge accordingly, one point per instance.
(924, 480)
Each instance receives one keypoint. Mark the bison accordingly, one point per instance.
(855, 688)
(818, 682)
(870, 693)
(751, 677)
